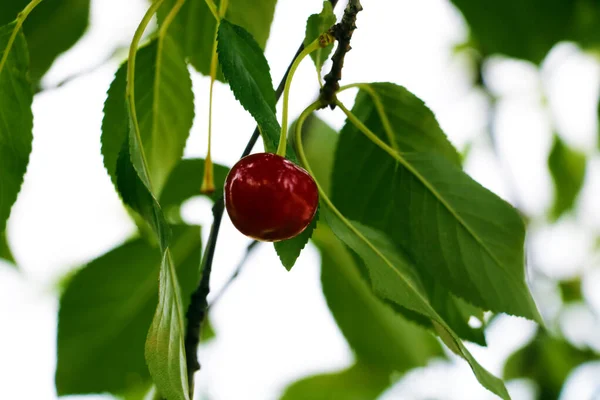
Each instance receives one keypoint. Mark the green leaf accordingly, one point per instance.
(194, 27)
(567, 167)
(359, 382)
(106, 310)
(394, 280)
(5, 252)
(405, 121)
(16, 119)
(548, 361)
(165, 352)
(51, 29)
(315, 26)
(289, 250)
(377, 334)
(570, 290)
(247, 71)
(149, 151)
(164, 106)
(535, 25)
(457, 233)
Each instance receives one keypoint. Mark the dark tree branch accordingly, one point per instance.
(198, 308)
(342, 32)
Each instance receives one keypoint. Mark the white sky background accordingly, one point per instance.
(274, 327)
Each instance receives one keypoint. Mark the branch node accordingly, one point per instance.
(342, 32)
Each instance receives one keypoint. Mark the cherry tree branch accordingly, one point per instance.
(342, 32)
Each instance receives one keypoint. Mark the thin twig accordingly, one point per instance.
(79, 74)
(197, 310)
(342, 32)
(249, 250)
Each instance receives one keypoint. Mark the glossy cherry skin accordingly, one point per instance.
(270, 198)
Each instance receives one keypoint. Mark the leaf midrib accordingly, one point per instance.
(402, 161)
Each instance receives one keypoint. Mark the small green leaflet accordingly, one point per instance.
(377, 334)
(44, 40)
(247, 71)
(359, 382)
(393, 279)
(567, 167)
(454, 230)
(103, 351)
(16, 119)
(315, 26)
(194, 27)
(165, 110)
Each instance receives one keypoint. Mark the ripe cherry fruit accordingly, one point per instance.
(270, 198)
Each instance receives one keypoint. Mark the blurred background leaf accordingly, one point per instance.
(51, 29)
(567, 168)
(547, 361)
(359, 382)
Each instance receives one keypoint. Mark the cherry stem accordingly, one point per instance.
(213, 9)
(314, 46)
(387, 126)
(21, 17)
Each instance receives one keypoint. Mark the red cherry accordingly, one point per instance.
(270, 198)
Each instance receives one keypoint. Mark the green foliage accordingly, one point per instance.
(408, 124)
(567, 167)
(5, 253)
(529, 29)
(359, 382)
(535, 26)
(378, 335)
(315, 26)
(194, 27)
(16, 118)
(52, 28)
(165, 110)
(548, 361)
(106, 310)
(394, 280)
(447, 224)
(409, 237)
(165, 353)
